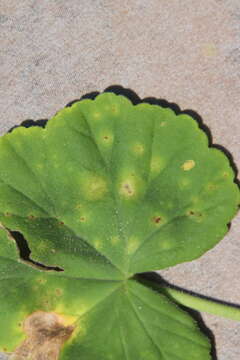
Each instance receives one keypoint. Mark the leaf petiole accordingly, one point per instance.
(204, 304)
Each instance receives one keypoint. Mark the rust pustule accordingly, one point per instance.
(46, 334)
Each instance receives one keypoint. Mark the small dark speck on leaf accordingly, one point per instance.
(157, 219)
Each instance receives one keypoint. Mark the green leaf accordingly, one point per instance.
(105, 191)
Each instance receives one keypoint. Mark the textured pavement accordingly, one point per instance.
(52, 52)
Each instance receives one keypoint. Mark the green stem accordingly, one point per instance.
(203, 304)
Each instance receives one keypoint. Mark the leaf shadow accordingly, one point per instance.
(155, 281)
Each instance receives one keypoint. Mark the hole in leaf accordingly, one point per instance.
(25, 252)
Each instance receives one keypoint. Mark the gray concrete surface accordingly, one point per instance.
(187, 52)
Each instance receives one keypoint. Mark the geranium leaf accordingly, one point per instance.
(111, 319)
(105, 191)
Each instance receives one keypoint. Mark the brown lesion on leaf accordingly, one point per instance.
(157, 220)
(128, 189)
(196, 215)
(8, 214)
(46, 334)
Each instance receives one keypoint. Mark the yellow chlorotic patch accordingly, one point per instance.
(8, 214)
(138, 149)
(165, 245)
(195, 215)
(115, 109)
(211, 187)
(185, 182)
(188, 165)
(41, 281)
(96, 115)
(66, 320)
(133, 244)
(77, 309)
(78, 206)
(128, 188)
(94, 187)
(194, 199)
(115, 240)
(107, 107)
(225, 174)
(156, 164)
(107, 138)
(42, 245)
(39, 166)
(163, 123)
(58, 292)
(83, 219)
(97, 244)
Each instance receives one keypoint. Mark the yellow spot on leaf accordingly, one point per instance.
(138, 149)
(127, 188)
(156, 164)
(185, 182)
(115, 240)
(115, 109)
(194, 199)
(97, 244)
(188, 165)
(58, 292)
(133, 244)
(211, 187)
(94, 187)
(42, 245)
(107, 138)
(78, 206)
(165, 245)
(96, 115)
(195, 215)
(41, 281)
(39, 166)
